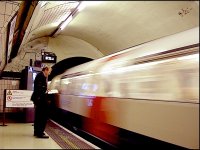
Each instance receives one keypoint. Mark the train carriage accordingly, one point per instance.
(151, 90)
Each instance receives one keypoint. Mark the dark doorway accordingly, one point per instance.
(65, 64)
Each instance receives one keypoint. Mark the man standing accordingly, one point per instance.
(41, 104)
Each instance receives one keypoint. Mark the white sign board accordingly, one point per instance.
(19, 98)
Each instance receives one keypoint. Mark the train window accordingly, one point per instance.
(80, 85)
(160, 81)
(173, 79)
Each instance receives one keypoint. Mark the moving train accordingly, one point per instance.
(150, 92)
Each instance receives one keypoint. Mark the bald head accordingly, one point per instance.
(46, 70)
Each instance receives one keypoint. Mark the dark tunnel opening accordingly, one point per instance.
(65, 64)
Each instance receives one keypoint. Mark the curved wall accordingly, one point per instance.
(67, 46)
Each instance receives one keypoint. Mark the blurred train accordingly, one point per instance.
(150, 90)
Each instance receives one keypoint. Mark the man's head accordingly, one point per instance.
(46, 70)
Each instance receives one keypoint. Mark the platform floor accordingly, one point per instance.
(20, 136)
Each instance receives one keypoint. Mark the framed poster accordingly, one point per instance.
(1, 48)
(10, 33)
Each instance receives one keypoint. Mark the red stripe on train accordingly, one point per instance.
(96, 123)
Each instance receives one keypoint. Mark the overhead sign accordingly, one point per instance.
(48, 57)
(19, 98)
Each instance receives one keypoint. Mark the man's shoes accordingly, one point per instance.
(42, 136)
(36, 134)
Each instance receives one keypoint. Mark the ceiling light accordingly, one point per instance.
(43, 3)
(64, 24)
(60, 2)
(81, 6)
(194, 57)
(88, 3)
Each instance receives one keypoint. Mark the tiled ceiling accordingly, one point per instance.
(7, 11)
(50, 13)
(54, 14)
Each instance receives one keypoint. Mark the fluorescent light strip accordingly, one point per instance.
(64, 24)
(88, 3)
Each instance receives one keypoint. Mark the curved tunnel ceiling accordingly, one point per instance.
(111, 26)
